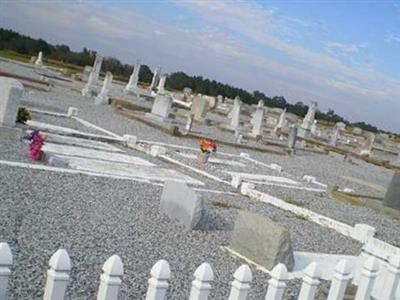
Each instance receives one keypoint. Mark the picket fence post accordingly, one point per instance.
(392, 278)
(340, 280)
(6, 261)
(57, 276)
(110, 280)
(201, 285)
(310, 282)
(277, 284)
(368, 275)
(241, 283)
(158, 283)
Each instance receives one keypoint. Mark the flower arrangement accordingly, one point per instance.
(36, 141)
(207, 147)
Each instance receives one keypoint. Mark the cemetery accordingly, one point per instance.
(118, 190)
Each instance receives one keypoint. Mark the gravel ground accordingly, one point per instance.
(94, 218)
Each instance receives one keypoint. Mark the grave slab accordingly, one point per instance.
(130, 171)
(85, 143)
(66, 150)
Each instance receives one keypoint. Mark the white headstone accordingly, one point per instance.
(39, 60)
(90, 87)
(234, 115)
(258, 117)
(199, 107)
(308, 121)
(102, 98)
(156, 78)
(281, 122)
(336, 132)
(161, 84)
(133, 79)
(161, 106)
(11, 91)
(313, 129)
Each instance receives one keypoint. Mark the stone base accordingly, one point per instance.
(89, 92)
(101, 100)
(133, 92)
(10, 133)
(303, 133)
(158, 118)
(55, 160)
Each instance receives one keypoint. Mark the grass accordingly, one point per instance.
(302, 217)
(223, 204)
(294, 202)
(15, 56)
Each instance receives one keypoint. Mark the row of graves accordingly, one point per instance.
(321, 245)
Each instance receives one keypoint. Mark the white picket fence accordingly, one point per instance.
(113, 269)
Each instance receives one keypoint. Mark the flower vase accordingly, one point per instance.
(203, 157)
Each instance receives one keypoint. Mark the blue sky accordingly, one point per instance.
(343, 54)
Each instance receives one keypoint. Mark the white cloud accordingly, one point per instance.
(228, 45)
(339, 49)
(392, 38)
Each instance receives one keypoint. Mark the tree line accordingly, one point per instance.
(11, 40)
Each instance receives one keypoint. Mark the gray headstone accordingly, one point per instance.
(179, 202)
(11, 91)
(392, 197)
(292, 137)
(262, 240)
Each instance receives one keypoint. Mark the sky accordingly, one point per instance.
(343, 54)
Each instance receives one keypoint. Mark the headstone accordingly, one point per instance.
(336, 132)
(90, 87)
(357, 130)
(281, 122)
(262, 240)
(189, 123)
(392, 197)
(234, 115)
(39, 60)
(181, 203)
(199, 107)
(161, 85)
(369, 143)
(133, 79)
(155, 79)
(313, 129)
(102, 98)
(161, 106)
(86, 73)
(257, 119)
(11, 92)
(308, 121)
(292, 137)
(187, 92)
(211, 101)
